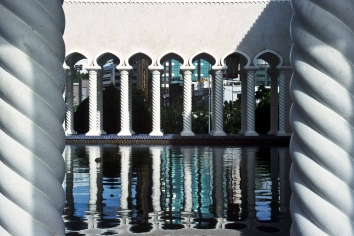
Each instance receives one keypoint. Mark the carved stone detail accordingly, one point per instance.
(156, 103)
(125, 108)
(322, 118)
(93, 114)
(187, 102)
(32, 109)
(251, 103)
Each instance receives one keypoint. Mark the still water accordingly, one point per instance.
(113, 190)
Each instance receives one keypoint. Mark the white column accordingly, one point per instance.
(131, 104)
(219, 103)
(251, 103)
(100, 104)
(125, 112)
(93, 123)
(187, 100)
(282, 114)
(32, 83)
(322, 118)
(273, 103)
(243, 76)
(69, 117)
(156, 103)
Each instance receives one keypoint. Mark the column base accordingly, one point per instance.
(219, 133)
(125, 133)
(272, 132)
(251, 133)
(156, 133)
(282, 133)
(187, 133)
(103, 132)
(242, 132)
(69, 132)
(132, 132)
(93, 133)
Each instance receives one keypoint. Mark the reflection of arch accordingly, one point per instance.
(203, 55)
(103, 57)
(273, 58)
(245, 60)
(170, 55)
(137, 56)
(74, 57)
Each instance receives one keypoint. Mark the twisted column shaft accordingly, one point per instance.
(100, 104)
(124, 102)
(32, 83)
(322, 118)
(274, 103)
(218, 110)
(156, 103)
(243, 103)
(93, 114)
(69, 117)
(213, 104)
(187, 101)
(251, 103)
(282, 89)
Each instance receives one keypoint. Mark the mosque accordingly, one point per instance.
(230, 36)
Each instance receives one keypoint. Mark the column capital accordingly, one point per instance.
(126, 68)
(216, 68)
(88, 68)
(154, 68)
(65, 67)
(186, 68)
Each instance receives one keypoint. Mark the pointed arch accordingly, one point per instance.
(203, 55)
(273, 58)
(245, 59)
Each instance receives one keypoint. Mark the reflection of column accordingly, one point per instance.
(187, 100)
(187, 213)
(243, 76)
(69, 117)
(156, 178)
(273, 102)
(124, 100)
(218, 163)
(125, 178)
(100, 189)
(282, 90)
(274, 167)
(218, 116)
(251, 103)
(251, 156)
(92, 70)
(69, 181)
(100, 105)
(218, 182)
(94, 153)
(156, 103)
(156, 186)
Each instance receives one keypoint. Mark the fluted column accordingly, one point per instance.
(187, 100)
(32, 83)
(125, 112)
(243, 76)
(251, 103)
(322, 118)
(274, 102)
(100, 104)
(219, 103)
(69, 118)
(282, 89)
(93, 114)
(156, 101)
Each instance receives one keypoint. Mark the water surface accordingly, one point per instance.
(112, 190)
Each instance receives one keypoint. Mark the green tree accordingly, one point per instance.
(263, 110)
(232, 116)
(171, 117)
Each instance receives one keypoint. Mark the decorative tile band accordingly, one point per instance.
(102, 2)
(175, 139)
